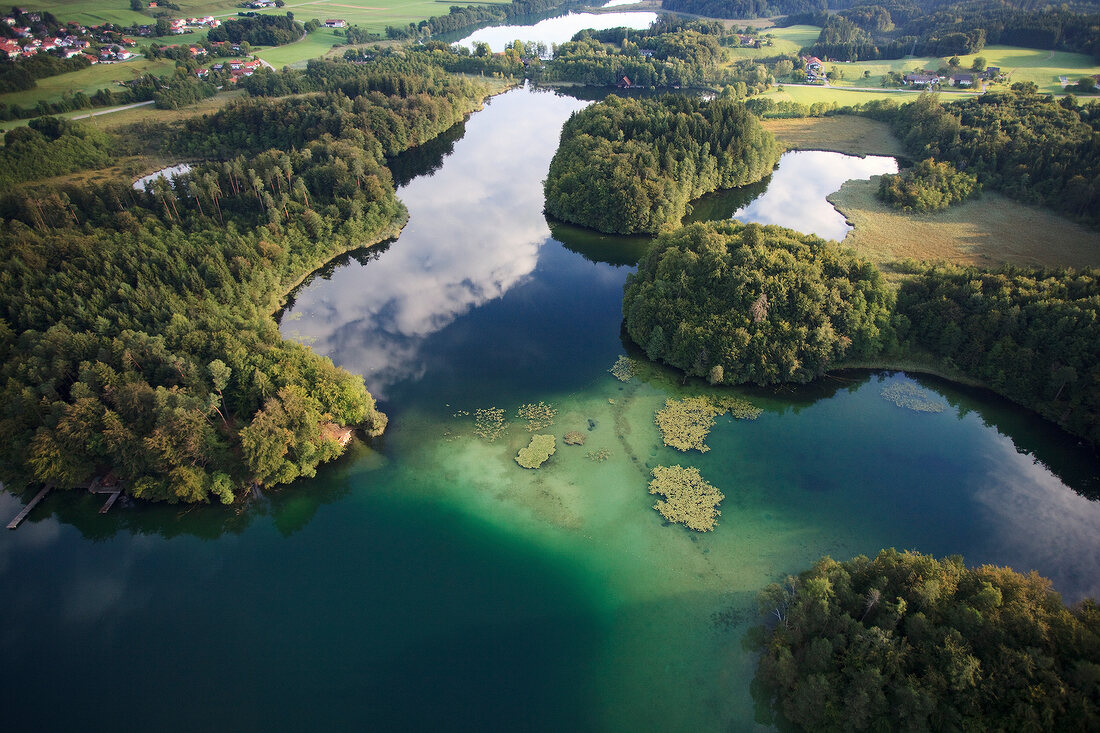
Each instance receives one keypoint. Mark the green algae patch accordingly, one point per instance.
(537, 451)
(599, 456)
(737, 407)
(685, 423)
(623, 368)
(689, 499)
(912, 397)
(574, 437)
(537, 414)
(489, 423)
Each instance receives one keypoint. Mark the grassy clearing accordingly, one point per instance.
(89, 80)
(988, 231)
(784, 41)
(843, 134)
(1021, 64)
(318, 43)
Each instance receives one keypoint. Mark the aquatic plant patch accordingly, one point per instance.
(689, 499)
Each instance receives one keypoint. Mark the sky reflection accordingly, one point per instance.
(796, 195)
(1035, 522)
(556, 30)
(475, 230)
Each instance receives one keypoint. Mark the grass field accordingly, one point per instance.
(843, 134)
(1021, 64)
(89, 80)
(784, 41)
(988, 231)
(842, 97)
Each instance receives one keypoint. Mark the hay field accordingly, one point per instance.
(843, 134)
(988, 231)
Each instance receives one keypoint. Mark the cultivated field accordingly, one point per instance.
(987, 231)
(843, 134)
(785, 41)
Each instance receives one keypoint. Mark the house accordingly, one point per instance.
(647, 52)
(11, 48)
(624, 83)
(197, 51)
(1063, 80)
(335, 23)
(921, 79)
(962, 80)
(813, 63)
(202, 73)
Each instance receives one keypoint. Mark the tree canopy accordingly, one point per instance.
(632, 165)
(764, 303)
(908, 642)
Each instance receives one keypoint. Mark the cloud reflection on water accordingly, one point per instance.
(796, 195)
(474, 232)
(1035, 522)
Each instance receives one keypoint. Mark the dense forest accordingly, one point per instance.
(135, 326)
(258, 30)
(749, 303)
(673, 52)
(908, 642)
(1031, 335)
(632, 165)
(1028, 146)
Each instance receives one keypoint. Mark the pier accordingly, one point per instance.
(27, 509)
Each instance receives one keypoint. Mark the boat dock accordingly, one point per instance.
(27, 509)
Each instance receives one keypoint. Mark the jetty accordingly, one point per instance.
(27, 509)
(110, 502)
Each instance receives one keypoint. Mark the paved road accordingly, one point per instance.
(112, 109)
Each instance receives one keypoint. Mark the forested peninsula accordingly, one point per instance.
(628, 166)
(136, 329)
(907, 642)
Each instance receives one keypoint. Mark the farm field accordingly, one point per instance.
(89, 80)
(987, 231)
(841, 97)
(842, 133)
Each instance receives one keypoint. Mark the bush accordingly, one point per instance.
(927, 186)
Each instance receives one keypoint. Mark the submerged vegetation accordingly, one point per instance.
(632, 165)
(685, 424)
(912, 397)
(908, 642)
(489, 423)
(538, 415)
(623, 368)
(689, 499)
(537, 452)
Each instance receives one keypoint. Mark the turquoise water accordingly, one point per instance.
(429, 582)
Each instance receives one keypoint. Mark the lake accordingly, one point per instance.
(427, 582)
(558, 29)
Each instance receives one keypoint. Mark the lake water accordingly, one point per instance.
(428, 582)
(556, 30)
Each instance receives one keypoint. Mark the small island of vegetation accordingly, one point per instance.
(629, 166)
(927, 186)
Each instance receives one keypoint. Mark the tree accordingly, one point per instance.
(978, 64)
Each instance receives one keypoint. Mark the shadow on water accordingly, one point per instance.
(425, 159)
(597, 247)
(290, 508)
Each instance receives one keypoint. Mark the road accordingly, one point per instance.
(112, 109)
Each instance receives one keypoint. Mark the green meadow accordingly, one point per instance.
(89, 80)
(785, 41)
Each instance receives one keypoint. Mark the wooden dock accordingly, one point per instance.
(110, 502)
(27, 509)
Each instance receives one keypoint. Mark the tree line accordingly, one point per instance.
(633, 165)
(1028, 146)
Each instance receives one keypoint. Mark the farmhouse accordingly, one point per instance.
(921, 79)
(962, 80)
(335, 23)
